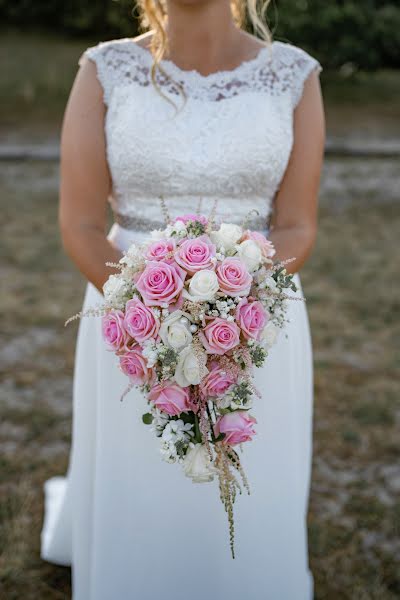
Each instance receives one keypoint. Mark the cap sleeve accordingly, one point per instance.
(300, 65)
(304, 68)
(101, 55)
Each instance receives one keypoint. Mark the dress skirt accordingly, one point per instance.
(133, 527)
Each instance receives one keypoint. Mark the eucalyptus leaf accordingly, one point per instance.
(147, 418)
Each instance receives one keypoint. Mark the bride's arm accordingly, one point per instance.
(294, 220)
(85, 180)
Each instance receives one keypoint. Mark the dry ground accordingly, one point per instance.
(354, 521)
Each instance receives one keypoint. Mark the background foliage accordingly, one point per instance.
(365, 34)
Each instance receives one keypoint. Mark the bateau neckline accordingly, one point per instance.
(250, 62)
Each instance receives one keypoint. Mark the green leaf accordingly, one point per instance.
(147, 418)
(187, 417)
(197, 429)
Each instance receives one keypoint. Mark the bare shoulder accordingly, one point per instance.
(87, 85)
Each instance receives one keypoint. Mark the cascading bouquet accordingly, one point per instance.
(189, 314)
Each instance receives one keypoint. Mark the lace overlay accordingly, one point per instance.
(230, 141)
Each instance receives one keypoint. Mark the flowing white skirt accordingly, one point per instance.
(135, 528)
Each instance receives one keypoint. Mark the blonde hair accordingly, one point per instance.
(153, 14)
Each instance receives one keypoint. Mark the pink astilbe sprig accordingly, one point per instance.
(205, 425)
(228, 488)
(196, 311)
(165, 211)
(242, 356)
(96, 311)
(114, 265)
(195, 399)
(282, 263)
(127, 390)
(248, 217)
(230, 366)
(211, 218)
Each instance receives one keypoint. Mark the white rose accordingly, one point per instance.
(179, 225)
(176, 229)
(202, 287)
(175, 332)
(114, 291)
(250, 253)
(190, 368)
(197, 464)
(269, 335)
(227, 236)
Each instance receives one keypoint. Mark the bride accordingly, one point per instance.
(196, 108)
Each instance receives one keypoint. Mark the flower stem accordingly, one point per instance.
(211, 423)
(197, 428)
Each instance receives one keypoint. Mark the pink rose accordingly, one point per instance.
(217, 382)
(237, 426)
(266, 247)
(185, 218)
(134, 365)
(220, 336)
(159, 250)
(140, 321)
(161, 283)
(170, 398)
(251, 318)
(233, 277)
(196, 254)
(113, 330)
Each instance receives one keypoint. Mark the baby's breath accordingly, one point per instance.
(258, 355)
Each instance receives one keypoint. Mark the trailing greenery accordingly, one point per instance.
(363, 34)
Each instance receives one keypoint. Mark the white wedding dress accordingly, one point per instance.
(132, 526)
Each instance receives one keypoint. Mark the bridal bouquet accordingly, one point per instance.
(189, 314)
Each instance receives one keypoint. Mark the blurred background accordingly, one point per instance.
(350, 285)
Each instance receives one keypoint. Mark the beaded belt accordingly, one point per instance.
(138, 223)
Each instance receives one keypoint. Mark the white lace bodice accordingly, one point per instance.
(230, 141)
